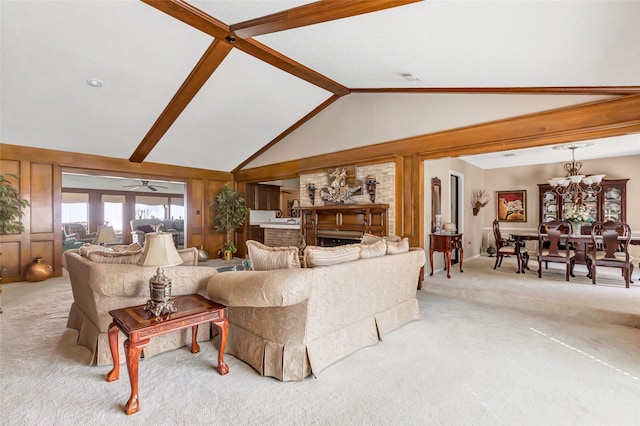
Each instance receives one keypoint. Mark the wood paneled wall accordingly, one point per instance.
(40, 182)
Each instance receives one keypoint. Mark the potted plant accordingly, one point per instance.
(230, 213)
(11, 206)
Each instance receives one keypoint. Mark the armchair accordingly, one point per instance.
(505, 247)
(80, 232)
(610, 248)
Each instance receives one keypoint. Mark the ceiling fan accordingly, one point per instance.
(144, 184)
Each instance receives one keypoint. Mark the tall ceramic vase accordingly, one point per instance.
(38, 271)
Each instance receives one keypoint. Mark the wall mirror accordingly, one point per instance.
(436, 198)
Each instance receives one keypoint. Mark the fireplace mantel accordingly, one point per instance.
(348, 221)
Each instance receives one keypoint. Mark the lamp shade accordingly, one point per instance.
(159, 250)
(105, 234)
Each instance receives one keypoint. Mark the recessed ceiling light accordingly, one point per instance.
(94, 82)
(509, 154)
(410, 76)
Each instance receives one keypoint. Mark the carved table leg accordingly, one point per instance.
(431, 261)
(223, 326)
(447, 260)
(114, 374)
(461, 251)
(195, 348)
(133, 350)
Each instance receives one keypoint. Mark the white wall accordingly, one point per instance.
(472, 226)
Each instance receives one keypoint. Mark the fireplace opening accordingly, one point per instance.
(338, 238)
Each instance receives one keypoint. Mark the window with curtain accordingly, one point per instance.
(75, 208)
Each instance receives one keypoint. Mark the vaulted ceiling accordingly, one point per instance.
(215, 84)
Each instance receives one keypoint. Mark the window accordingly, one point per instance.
(75, 208)
(150, 207)
(113, 207)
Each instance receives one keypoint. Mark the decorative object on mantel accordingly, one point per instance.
(292, 206)
(311, 189)
(38, 271)
(230, 212)
(574, 185)
(479, 199)
(160, 251)
(339, 192)
(371, 182)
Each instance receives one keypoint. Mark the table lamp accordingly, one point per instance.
(105, 235)
(159, 251)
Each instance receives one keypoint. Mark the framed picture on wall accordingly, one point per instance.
(511, 206)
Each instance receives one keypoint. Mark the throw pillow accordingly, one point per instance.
(398, 247)
(112, 257)
(326, 256)
(377, 249)
(145, 228)
(265, 258)
(370, 238)
(189, 256)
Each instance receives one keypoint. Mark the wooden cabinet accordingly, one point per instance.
(609, 204)
(348, 221)
(263, 197)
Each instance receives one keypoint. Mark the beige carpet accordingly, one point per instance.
(462, 363)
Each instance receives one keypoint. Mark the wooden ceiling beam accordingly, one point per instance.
(207, 64)
(310, 14)
(568, 90)
(278, 60)
(202, 21)
(191, 16)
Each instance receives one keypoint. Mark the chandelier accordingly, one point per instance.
(575, 186)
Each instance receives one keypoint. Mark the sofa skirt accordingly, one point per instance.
(288, 362)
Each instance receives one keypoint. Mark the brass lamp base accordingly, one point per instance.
(160, 290)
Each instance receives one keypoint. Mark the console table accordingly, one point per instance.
(445, 242)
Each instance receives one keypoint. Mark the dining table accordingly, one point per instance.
(580, 244)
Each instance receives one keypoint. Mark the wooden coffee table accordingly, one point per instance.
(140, 326)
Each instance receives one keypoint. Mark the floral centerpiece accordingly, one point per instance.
(577, 215)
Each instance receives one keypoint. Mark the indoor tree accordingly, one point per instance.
(230, 213)
(11, 206)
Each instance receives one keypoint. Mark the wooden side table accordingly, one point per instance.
(140, 326)
(444, 242)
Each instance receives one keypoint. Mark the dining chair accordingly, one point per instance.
(610, 248)
(506, 247)
(553, 246)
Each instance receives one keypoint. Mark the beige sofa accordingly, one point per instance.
(289, 323)
(100, 287)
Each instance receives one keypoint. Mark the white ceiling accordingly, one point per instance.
(50, 48)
